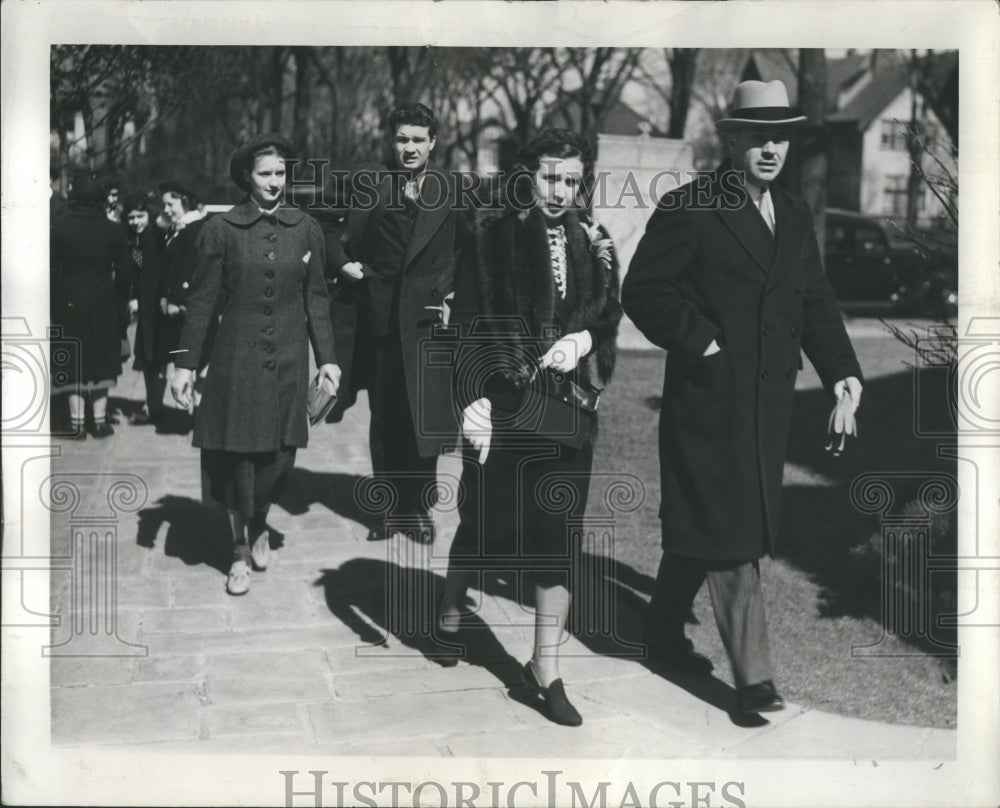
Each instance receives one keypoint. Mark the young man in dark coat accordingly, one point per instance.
(728, 279)
(395, 265)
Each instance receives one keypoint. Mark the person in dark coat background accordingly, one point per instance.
(395, 266)
(146, 247)
(728, 279)
(87, 252)
(263, 264)
(543, 282)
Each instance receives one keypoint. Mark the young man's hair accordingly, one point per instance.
(412, 114)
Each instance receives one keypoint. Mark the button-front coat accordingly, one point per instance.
(266, 271)
(708, 268)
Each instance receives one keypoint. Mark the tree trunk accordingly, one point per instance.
(914, 148)
(682, 63)
(813, 142)
(303, 101)
(279, 57)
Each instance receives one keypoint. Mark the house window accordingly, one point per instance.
(893, 135)
(895, 195)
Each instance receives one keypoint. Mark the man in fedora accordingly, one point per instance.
(393, 269)
(728, 279)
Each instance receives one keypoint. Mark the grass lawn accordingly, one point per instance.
(821, 603)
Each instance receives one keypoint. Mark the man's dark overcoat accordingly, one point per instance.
(427, 278)
(265, 273)
(708, 268)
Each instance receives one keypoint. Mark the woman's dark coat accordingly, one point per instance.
(506, 287)
(708, 268)
(150, 341)
(265, 273)
(87, 250)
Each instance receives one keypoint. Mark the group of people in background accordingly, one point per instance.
(112, 263)
(236, 301)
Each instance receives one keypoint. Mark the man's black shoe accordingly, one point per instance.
(680, 656)
(760, 698)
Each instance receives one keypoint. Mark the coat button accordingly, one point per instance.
(268, 311)
(269, 292)
(271, 365)
(272, 237)
(269, 274)
(269, 347)
(764, 331)
(270, 255)
(763, 375)
(268, 331)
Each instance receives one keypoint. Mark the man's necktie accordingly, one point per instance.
(767, 209)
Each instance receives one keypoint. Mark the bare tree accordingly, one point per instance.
(813, 142)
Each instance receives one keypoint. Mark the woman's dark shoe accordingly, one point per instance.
(759, 698)
(103, 430)
(557, 705)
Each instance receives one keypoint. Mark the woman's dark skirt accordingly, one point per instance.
(521, 509)
(245, 482)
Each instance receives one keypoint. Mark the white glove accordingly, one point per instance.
(181, 386)
(842, 423)
(477, 426)
(567, 352)
(352, 270)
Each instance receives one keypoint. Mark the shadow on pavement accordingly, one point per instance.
(333, 489)
(378, 599)
(197, 533)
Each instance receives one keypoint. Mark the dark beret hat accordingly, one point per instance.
(86, 187)
(170, 187)
(139, 201)
(239, 162)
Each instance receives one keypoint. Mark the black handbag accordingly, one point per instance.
(560, 408)
(319, 402)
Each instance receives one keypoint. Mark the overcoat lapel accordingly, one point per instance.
(436, 197)
(747, 226)
(787, 238)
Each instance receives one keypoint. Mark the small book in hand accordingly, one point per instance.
(319, 401)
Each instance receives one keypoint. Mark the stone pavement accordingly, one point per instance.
(316, 659)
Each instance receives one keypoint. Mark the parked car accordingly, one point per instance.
(865, 266)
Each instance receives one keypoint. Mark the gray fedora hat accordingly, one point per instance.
(760, 103)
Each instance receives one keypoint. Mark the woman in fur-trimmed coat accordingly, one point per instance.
(539, 296)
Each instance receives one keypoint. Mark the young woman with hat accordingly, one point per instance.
(262, 264)
(87, 251)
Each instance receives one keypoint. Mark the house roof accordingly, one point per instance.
(888, 71)
(620, 119)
